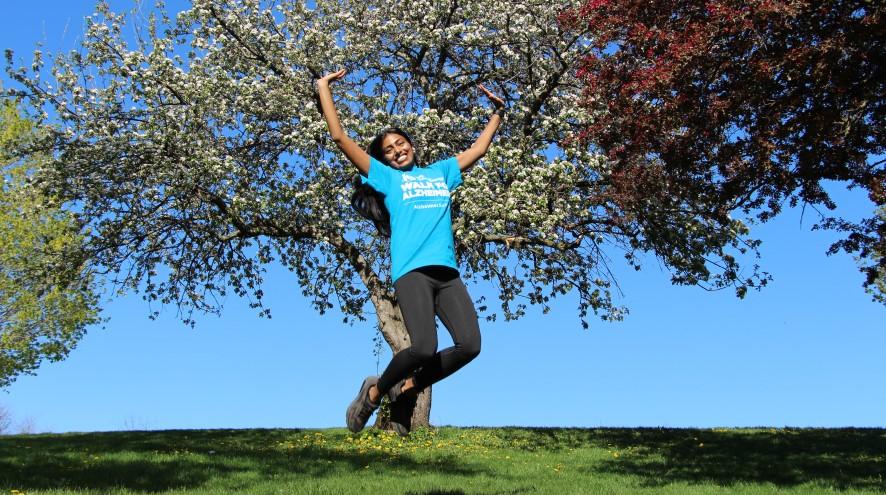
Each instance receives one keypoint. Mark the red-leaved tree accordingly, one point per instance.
(744, 105)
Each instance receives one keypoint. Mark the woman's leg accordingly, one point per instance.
(456, 310)
(415, 295)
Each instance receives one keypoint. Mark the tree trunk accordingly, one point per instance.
(393, 329)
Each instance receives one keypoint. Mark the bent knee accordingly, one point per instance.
(470, 350)
(422, 353)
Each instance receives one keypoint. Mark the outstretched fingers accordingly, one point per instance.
(334, 76)
(498, 102)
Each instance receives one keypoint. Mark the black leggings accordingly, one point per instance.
(422, 293)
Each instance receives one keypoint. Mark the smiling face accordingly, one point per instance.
(397, 150)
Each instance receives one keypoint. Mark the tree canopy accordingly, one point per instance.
(196, 156)
(745, 105)
(47, 295)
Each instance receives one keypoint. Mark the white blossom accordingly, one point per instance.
(210, 134)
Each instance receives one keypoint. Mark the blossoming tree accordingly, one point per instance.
(196, 156)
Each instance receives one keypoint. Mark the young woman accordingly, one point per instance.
(423, 266)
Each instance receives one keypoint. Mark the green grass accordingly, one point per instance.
(449, 461)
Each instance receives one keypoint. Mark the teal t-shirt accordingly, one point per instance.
(421, 221)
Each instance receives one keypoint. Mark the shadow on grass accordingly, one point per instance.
(223, 460)
(841, 458)
(460, 492)
(162, 460)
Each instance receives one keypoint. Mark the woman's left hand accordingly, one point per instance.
(498, 102)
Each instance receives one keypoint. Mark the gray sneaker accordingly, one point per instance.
(395, 391)
(361, 408)
(401, 405)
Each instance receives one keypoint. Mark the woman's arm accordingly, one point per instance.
(469, 157)
(352, 150)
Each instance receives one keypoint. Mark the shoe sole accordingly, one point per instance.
(356, 403)
(400, 429)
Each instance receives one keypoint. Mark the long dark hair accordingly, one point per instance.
(365, 200)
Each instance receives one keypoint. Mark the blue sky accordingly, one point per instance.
(806, 351)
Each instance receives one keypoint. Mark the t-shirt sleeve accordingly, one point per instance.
(451, 172)
(380, 176)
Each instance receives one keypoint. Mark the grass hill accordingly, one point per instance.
(448, 461)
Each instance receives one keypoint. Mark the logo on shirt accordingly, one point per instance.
(419, 186)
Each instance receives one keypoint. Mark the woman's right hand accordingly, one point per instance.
(332, 76)
(498, 102)
(354, 152)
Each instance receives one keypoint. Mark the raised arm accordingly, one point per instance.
(469, 157)
(352, 150)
